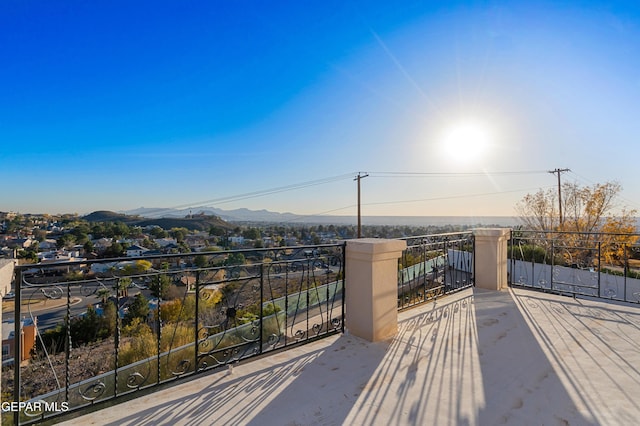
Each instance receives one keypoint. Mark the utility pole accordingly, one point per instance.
(359, 178)
(558, 172)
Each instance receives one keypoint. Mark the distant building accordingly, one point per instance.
(48, 244)
(136, 251)
(164, 242)
(20, 242)
(236, 240)
(27, 339)
(102, 244)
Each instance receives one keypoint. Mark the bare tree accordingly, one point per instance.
(538, 211)
(585, 208)
(589, 212)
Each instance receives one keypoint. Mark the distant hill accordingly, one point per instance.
(109, 216)
(236, 215)
(199, 222)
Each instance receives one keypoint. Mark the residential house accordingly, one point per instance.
(164, 242)
(101, 244)
(48, 244)
(20, 242)
(136, 251)
(236, 240)
(27, 339)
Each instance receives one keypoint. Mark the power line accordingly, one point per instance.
(261, 193)
(360, 175)
(453, 174)
(449, 197)
(276, 190)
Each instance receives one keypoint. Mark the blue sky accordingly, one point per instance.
(119, 105)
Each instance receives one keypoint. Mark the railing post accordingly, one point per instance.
(553, 262)
(599, 269)
(67, 375)
(197, 323)
(261, 313)
(626, 262)
(372, 277)
(490, 257)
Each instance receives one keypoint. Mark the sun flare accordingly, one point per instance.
(466, 140)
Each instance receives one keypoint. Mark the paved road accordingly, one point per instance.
(52, 311)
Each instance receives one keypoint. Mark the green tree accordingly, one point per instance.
(158, 232)
(216, 231)
(235, 259)
(66, 241)
(40, 235)
(179, 234)
(114, 250)
(201, 261)
(108, 320)
(160, 286)
(88, 247)
(80, 231)
(251, 233)
(150, 244)
(85, 329)
(103, 294)
(120, 229)
(122, 286)
(139, 308)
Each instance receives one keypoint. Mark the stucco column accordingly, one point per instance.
(6, 275)
(371, 286)
(490, 257)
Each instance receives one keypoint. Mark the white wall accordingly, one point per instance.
(6, 275)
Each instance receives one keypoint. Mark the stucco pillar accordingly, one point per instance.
(490, 257)
(6, 275)
(371, 286)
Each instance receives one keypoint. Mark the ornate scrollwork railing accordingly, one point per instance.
(434, 265)
(108, 328)
(594, 264)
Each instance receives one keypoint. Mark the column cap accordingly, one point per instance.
(378, 248)
(491, 232)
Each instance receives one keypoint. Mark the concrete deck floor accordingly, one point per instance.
(474, 358)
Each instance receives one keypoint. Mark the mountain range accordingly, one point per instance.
(237, 215)
(247, 215)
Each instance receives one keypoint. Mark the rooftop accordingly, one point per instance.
(477, 357)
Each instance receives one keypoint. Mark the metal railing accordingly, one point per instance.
(434, 265)
(113, 327)
(576, 263)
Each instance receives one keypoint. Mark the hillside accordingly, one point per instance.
(196, 223)
(200, 223)
(109, 216)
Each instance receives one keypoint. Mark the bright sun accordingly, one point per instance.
(466, 141)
